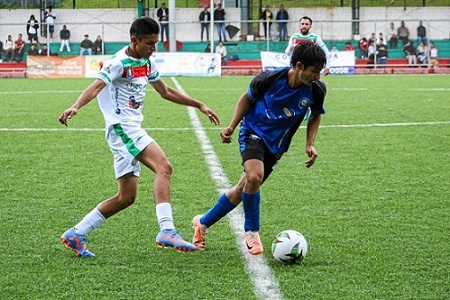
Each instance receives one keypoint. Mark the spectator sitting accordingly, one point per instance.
(44, 51)
(382, 52)
(19, 48)
(333, 52)
(33, 50)
(422, 53)
(86, 46)
(410, 53)
(349, 47)
(222, 51)
(422, 34)
(9, 48)
(433, 56)
(208, 48)
(371, 54)
(98, 46)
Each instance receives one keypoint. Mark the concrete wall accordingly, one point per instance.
(330, 23)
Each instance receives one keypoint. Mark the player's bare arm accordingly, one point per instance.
(311, 133)
(241, 109)
(86, 96)
(175, 96)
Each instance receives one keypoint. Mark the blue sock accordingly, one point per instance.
(251, 211)
(218, 211)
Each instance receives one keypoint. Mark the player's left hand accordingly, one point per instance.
(312, 154)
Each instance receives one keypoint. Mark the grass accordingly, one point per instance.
(374, 208)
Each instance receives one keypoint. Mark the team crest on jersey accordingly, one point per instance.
(132, 103)
(304, 102)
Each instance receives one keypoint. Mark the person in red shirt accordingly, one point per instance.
(349, 47)
(19, 48)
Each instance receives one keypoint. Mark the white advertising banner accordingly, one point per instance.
(341, 62)
(188, 64)
(170, 64)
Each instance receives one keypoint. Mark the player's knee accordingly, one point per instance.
(254, 179)
(165, 168)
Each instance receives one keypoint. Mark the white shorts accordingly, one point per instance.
(126, 142)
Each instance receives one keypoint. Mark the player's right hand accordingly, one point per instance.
(225, 135)
(67, 114)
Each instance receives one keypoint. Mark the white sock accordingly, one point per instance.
(164, 216)
(91, 221)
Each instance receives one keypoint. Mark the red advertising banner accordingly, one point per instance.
(56, 66)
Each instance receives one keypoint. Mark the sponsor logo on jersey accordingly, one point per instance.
(136, 72)
(304, 102)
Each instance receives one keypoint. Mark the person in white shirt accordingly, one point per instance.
(120, 88)
(9, 48)
(50, 17)
(222, 51)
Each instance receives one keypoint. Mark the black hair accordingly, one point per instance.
(144, 26)
(309, 54)
(307, 18)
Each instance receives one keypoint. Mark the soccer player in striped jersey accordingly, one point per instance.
(305, 35)
(120, 89)
(270, 113)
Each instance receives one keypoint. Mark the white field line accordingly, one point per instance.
(62, 128)
(150, 90)
(265, 284)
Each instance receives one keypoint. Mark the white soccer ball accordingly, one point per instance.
(289, 247)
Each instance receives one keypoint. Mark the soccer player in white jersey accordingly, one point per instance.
(120, 88)
(305, 35)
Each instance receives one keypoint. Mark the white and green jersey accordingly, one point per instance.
(297, 38)
(126, 78)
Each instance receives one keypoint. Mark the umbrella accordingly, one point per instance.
(232, 30)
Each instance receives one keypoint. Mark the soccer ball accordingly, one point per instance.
(289, 247)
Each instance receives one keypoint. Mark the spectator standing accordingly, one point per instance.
(305, 24)
(382, 52)
(205, 21)
(50, 17)
(98, 45)
(1, 51)
(33, 50)
(219, 18)
(282, 16)
(433, 56)
(422, 53)
(163, 16)
(392, 36)
(9, 48)
(32, 30)
(64, 35)
(403, 33)
(86, 46)
(222, 51)
(410, 53)
(422, 34)
(363, 45)
(266, 16)
(19, 48)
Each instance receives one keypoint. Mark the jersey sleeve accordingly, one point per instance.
(324, 47)
(111, 70)
(319, 91)
(154, 73)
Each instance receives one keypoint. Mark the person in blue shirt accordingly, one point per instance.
(270, 113)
